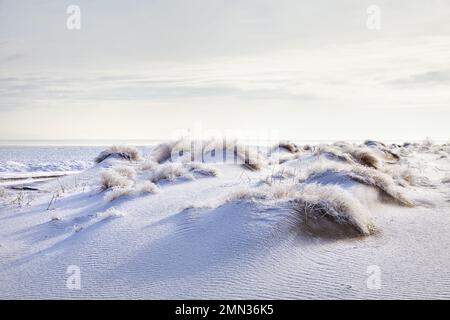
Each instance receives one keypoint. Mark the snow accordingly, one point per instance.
(210, 237)
(45, 159)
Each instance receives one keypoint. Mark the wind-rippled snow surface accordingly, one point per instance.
(230, 235)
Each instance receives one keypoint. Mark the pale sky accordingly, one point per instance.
(310, 70)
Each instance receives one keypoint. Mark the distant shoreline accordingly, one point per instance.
(149, 142)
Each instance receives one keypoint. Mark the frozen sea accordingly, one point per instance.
(54, 156)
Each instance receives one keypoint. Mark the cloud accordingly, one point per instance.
(363, 75)
(435, 77)
(11, 57)
(207, 57)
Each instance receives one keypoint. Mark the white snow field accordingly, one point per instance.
(292, 222)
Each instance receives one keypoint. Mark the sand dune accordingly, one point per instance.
(290, 221)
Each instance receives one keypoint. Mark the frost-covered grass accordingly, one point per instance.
(148, 165)
(129, 188)
(315, 199)
(202, 169)
(335, 203)
(170, 171)
(295, 181)
(122, 180)
(285, 145)
(249, 157)
(162, 152)
(308, 201)
(306, 204)
(365, 157)
(333, 153)
(118, 181)
(125, 171)
(350, 154)
(365, 175)
(121, 152)
(111, 213)
(117, 192)
(196, 150)
(146, 187)
(111, 178)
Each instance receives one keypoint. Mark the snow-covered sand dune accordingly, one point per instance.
(293, 221)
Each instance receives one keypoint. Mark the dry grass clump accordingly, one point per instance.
(165, 151)
(147, 187)
(333, 153)
(122, 152)
(249, 157)
(202, 169)
(111, 213)
(348, 153)
(382, 182)
(117, 176)
(391, 156)
(162, 152)
(125, 171)
(362, 174)
(365, 157)
(170, 171)
(148, 165)
(315, 203)
(286, 145)
(119, 180)
(117, 192)
(293, 152)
